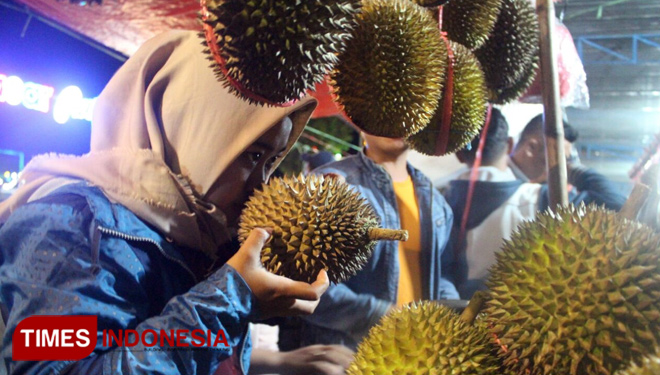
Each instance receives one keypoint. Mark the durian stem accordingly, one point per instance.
(635, 201)
(473, 308)
(376, 234)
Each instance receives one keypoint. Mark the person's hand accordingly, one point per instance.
(276, 295)
(316, 360)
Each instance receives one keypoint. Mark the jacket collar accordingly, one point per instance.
(383, 178)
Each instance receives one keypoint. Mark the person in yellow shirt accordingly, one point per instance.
(397, 272)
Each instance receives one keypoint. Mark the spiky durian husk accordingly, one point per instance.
(511, 47)
(277, 49)
(390, 75)
(425, 338)
(576, 292)
(649, 365)
(470, 22)
(468, 109)
(318, 223)
(508, 94)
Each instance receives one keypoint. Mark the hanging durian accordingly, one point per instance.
(470, 22)
(512, 47)
(576, 292)
(649, 365)
(276, 50)
(318, 223)
(508, 94)
(390, 75)
(468, 108)
(425, 338)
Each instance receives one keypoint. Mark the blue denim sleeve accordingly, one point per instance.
(47, 269)
(344, 310)
(446, 288)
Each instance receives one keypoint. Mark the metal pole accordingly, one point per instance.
(553, 127)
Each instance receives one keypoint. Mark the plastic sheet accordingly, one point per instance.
(573, 88)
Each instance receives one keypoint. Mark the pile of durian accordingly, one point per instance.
(417, 69)
(575, 292)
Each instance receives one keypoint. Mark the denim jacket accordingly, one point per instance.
(74, 252)
(348, 310)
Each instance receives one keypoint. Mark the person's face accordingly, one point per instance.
(248, 171)
(531, 157)
(384, 145)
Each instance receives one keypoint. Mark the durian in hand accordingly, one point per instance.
(511, 48)
(576, 292)
(470, 22)
(389, 77)
(649, 365)
(276, 49)
(318, 223)
(468, 108)
(425, 338)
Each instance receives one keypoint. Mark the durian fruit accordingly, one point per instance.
(277, 49)
(511, 48)
(391, 73)
(507, 94)
(470, 22)
(468, 109)
(649, 365)
(575, 292)
(425, 338)
(318, 223)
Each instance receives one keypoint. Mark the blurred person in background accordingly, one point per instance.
(528, 163)
(499, 203)
(312, 160)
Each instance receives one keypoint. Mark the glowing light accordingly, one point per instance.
(9, 181)
(69, 103)
(337, 156)
(65, 104)
(14, 91)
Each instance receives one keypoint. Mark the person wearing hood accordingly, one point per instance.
(138, 232)
(498, 204)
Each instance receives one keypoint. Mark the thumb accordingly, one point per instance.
(250, 251)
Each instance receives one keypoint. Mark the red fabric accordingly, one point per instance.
(327, 106)
(230, 366)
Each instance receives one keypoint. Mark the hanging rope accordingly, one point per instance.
(473, 180)
(442, 140)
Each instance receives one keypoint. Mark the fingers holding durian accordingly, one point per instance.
(275, 295)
